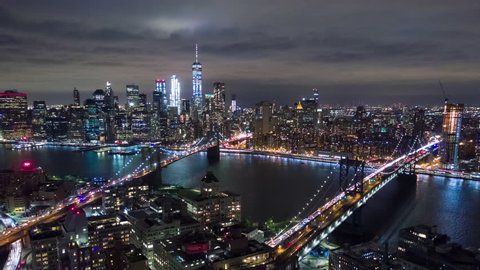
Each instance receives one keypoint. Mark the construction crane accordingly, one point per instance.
(443, 90)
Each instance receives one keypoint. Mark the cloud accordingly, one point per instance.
(261, 50)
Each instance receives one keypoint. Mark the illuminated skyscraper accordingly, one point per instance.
(233, 107)
(91, 121)
(110, 109)
(76, 97)
(315, 95)
(452, 126)
(175, 92)
(219, 96)
(133, 99)
(160, 101)
(159, 110)
(39, 114)
(108, 96)
(13, 115)
(99, 97)
(197, 96)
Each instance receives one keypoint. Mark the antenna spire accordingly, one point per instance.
(196, 53)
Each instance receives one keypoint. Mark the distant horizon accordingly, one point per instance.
(66, 98)
(356, 53)
(48, 101)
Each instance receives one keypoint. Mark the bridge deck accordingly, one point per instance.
(308, 233)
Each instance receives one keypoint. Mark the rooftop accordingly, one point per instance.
(210, 178)
(147, 218)
(45, 231)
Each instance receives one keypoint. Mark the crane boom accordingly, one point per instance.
(443, 90)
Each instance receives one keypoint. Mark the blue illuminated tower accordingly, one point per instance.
(160, 101)
(175, 92)
(159, 121)
(197, 104)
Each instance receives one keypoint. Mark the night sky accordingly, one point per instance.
(355, 52)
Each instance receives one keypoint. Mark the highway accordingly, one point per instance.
(15, 251)
(289, 242)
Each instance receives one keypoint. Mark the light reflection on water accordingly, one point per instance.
(278, 187)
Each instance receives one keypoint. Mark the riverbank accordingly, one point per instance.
(335, 159)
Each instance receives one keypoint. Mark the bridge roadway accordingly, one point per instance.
(308, 233)
(11, 235)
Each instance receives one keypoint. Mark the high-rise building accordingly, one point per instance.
(132, 97)
(91, 121)
(56, 125)
(315, 94)
(44, 242)
(76, 97)
(110, 110)
(263, 118)
(109, 236)
(185, 108)
(160, 100)
(452, 126)
(13, 115)
(233, 107)
(39, 112)
(140, 119)
(76, 125)
(175, 92)
(197, 96)
(123, 126)
(208, 119)
(159, 110)
(219, 96)
(109, 98)
(99, 97)
(307, 119)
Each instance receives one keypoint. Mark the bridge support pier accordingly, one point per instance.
(154, 178)
(213, 153)
(407, 177)
(358, 167)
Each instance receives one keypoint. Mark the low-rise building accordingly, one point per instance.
(202, 250)
(422, 247)
(16, 204)
(209, 204)
(149, 226)
(23, 180)
(117, 197)
(366, 256)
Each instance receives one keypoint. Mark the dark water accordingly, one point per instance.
(60, 161)
(278, 188)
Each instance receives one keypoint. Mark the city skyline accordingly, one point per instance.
(392, 51)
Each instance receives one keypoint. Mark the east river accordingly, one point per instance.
(273, 187)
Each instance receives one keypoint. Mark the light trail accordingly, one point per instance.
(15, 253)
(274, 242)
(11, 235)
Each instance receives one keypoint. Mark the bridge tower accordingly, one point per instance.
(213, 153)
(409, 173)
(348, 165)
(154, 178)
